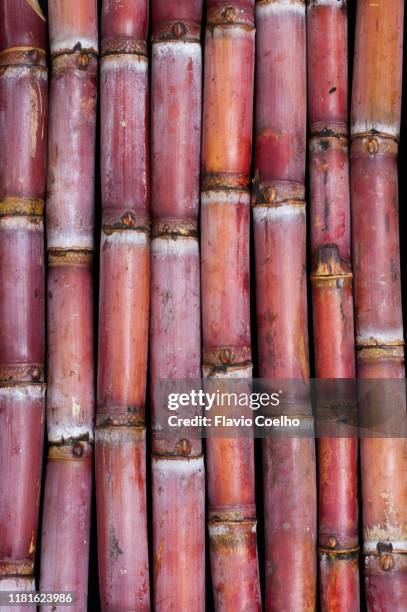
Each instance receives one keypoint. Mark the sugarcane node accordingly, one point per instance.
(128, 219)
(184, 446)
(372, 146)
(179, 29)
(35, 56)
(230, 14)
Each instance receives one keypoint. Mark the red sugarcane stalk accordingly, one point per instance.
(123, 309)
(225, 220)
(375, 125)
(178, 470)
(280, 254)
(332, 293)
(70, 220)
(23, 137)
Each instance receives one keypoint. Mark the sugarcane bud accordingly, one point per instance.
(128, 219)
(386, 562)
(230, 14)
(82, 61)
(372, 146)
(179, 29)
(332, 542)
(226, 356)
(270, 193)
(184, 447)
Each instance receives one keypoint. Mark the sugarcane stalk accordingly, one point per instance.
(23, 138)
(123, 309)
(332, 298)
(375, 127)
(178, 477)
(70, 221)
(280, 264)
(225, 268)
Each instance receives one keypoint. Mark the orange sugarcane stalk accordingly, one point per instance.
(23, 139)
(225, 266)
(178, 477)
(375, 128)
(71, 366)
(289, 479)
(332, 298)
(121, 496)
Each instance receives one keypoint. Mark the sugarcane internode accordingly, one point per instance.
(23, 140)
(375, 126)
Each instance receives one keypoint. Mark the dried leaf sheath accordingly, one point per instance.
(225, 218)
(375, 126)
(178, 484)
(23, 138)
(332, 299)
(123, 309)
(280, 264)
(71, 368)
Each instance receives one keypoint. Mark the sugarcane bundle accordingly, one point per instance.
(23, 138)
(225, 267)
(375, 126)
(332, 294)
(289, 481)
(70, 227)
(123, 309)
(178, 478)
